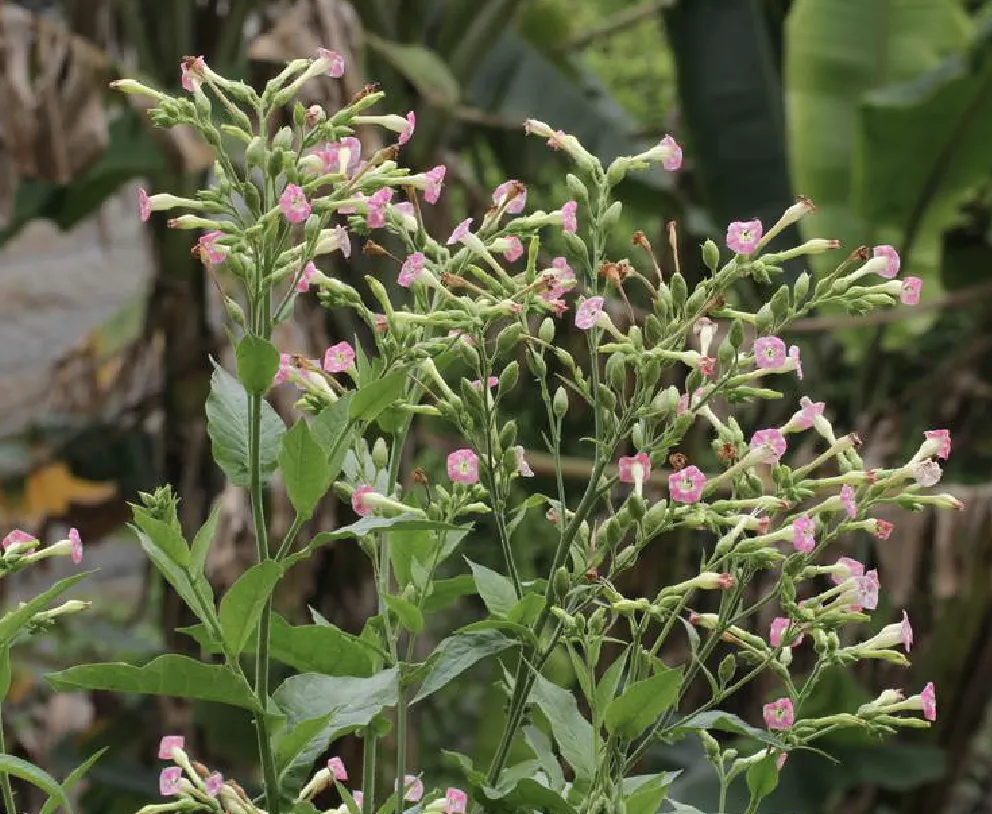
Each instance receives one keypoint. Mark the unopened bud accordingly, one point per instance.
(380, 453)
(560, 403)
(711, 255)
(546, 333)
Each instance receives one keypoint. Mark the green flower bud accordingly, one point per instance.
(626, 558)
(577, 188)
(725, 672)
(299, 115)
(575, 244)
(508, 378)
(508, 435)
(380, 453)
(726, 355)
(611, 215)
(679, 291)
(546, 333)
(636, 506)
(509, 337)
(801, 288)
(653, 331)
(736, 334)
(561, 583)
(560, 403)
(711, 255)
(616, 374)
(779, 303)
(637, 435)
(763, 319)
(283, 140)
(537, 364)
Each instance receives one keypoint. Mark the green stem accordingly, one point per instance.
(287, 541)
(368, 770)
(8, 792)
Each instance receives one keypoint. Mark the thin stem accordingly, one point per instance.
(368, 770)
(8, 792)
(287, 541)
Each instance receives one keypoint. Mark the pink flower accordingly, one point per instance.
(892, 256)
(168, 781)
(568, 216)
(493, 381)
(866, 591)
(336, 765)
(411, 269)
(192, 72)
(75, 546)
(686, 485)
(769, 352)
(777, 633)
(463, 466)
(635, 469)
(794, 361)
(847, 500)
(852, 567)
(454, 801)
(334, 60)
(293, 204)
(411, 124)
(435, 180)
(377, 204)
(358, 502)
(779, 714)
(803, 531)
(523, 468)
(303, 284)
(516, 204)
(208, 246)
(707, 365)
(460, 231)
(339, 358)
(358, 797)
(17, 536)
(514, 249)
(588, 313)
(927, 473)
(773, 439)
(560, 278)
(944, 437)
(672, 153)
(808, 412)
(413, 788)
(881, 528)
(144, 207)
(929, 699)
(286, 367)
(167, 744)
(911, 288)
(743, 236)
(213, 784)
(343, 156)
(906, 632)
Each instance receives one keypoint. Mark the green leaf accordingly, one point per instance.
(541, 747)
(526, 611)
(203, 540)
(16, 767)
(373, 398)
(725, 722)
(762, 778)
(77, 774)
(306, 471)
(331, 428)
(227, 426)
(496, 590)
(258, 363)
(607, 687)
(179, 579)
(14, 620)
(173, 675)
(445, 592)
(573, 733)
(242, 605)
(458, 653)
(425, 70)
(409, 614)
(641, 703)
(167, 537)
(644, 793)
(294, 739)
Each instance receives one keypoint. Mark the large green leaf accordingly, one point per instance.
(306, 471)
(204, 538)
(331, 428)
(640, 704)
(573, 733)
(166, 536)
(292, 740)
(199, 599)
(12, 621)
(725, 722)
(425, 70)
(227, 425)
(258, 362)
(242, 605)
(495, 589)
(171, 674)
(456, 654)
(36, 777)
(374, 397)
(369, 525)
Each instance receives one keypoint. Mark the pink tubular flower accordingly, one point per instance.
(17, 536)
(881, 528)
(192, 69)
(769, 352)
(435, 181)
(407, 132)
(808, 412)
(866, 591)
(686, 485)
(803, 531)
(168, 781)
(493, 381)
(336, 765)
(743, 236)
(514, 249)
(215, 254)
(517, 203)
(293, 204)
(588, 313)
(523, 468)
(911, 288)
(168, 744)
(672, 153)
(377, 203)
(455, 801)
(707, 365)
(568, 216)
(906, 632)
(342, 156)
(927, 473)
(411, 269)
(847, 500)
(144, 207)
(306, 277)
(413, 788)
(890, 254)
(944, 437)
(779, 714)
(852, 567)
(286, 367)
(773, 439)
(460, 231)
(635, 469)
(463, 466)
(358, 797)
(358, 503)
(929, 699)
(776, 634)
(334, 60)
(75, 546)
(560, 280)
(213, 784)
(339, 358)
(794, 361)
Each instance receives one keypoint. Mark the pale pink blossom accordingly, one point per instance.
(866, 591)
(772, 439)
(359, 505)
(209, 247)
(358, 797)
(377, 203)
(569, 221)
(769, 352)
(339, 358)
(334, 60)
(455, 801)
(706, 365)
(671, 152)
(803, 534)
(461, 230)
(344, 156)
(776, 635)
(168, 744)
(75, 546)
(686, 485)
(589, 312)
(890, 254)
(144, 206)
(513, 250)
(191, 70)
(847, 500)
(411, 269)
(634, 469)
(851, 567)
(779, 714)
(927, 473)
(435, 181)
(906, 632)
(560, 279)
(306, 277)
(881, 528)
(336, 766)
(929, 699)
(286, 368)
(168, 781)
(463, 466)
(743, 236)
(794, 361)
(293, 204)
(407, 132)
(413, 788)
(942, 436)
(523, 468)
(911, 288)
(493, 381)
(214, 783)
(517, 203)
(808, 412)
(18, 537)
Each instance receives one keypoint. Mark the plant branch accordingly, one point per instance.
(8, 792)
(615, 24)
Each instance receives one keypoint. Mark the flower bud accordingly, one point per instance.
(380, 453)
(577, 188)
(625, 558)
(561, 582)
(711, 255)
(546, 333)
(560, 403)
